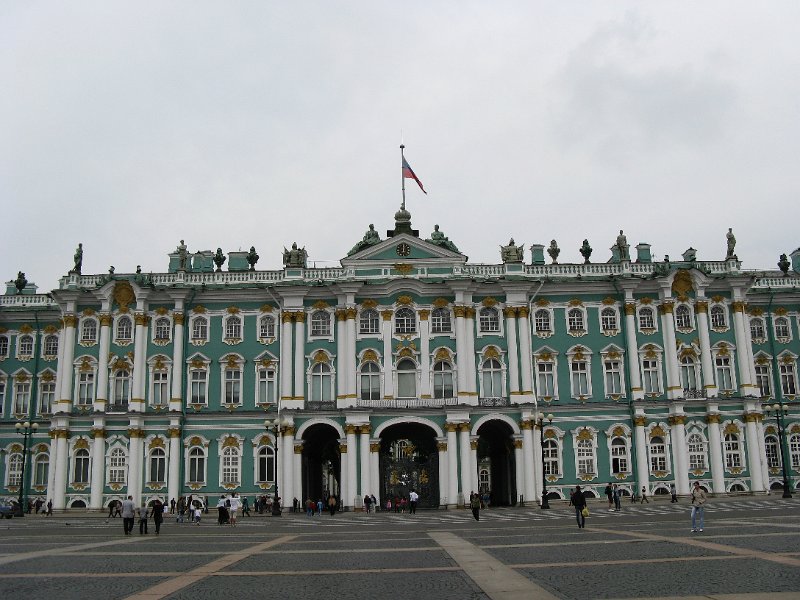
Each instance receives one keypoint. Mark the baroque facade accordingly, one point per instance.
(407, 367)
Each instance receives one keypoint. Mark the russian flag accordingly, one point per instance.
(408, 173)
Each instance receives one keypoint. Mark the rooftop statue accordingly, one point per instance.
(370, 239)
(623, 246)
(252, 258)
(183, 256)
(440, 239)
(731, 239)
(219, 259)
(296, 257)
(78, 258)
(554, 251)
(511, 253)
(586, 251)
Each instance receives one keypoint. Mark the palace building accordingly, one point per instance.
(405, 368)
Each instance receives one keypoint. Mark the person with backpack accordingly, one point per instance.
(579, 502)
(475, 505)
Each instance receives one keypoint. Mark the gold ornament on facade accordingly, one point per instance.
(341, 314)
(369, 356)
(156, 442)
(350, 429)
(459, 311)
(575, 302)
(650, 351)
(365, 429)
(265, 363)
(97, 432)
(15, 448)
(666, 307)
(781, 311)
(473, 444)
(320, 305)
(368, 303)
(674, 420)
(231, 361)
(738, 306)
(646, 300)
(682, 283)
(387, 315)
(300, 317)
(195, 441)
(159, 364)
(463, 427)
(199, 309)
(424, 314)
(342, 448)
(442, 354)
(81, 444)
(585, 434)
(618, 432)
(510, 312)
(440, 302)
(731, 428)
(197, 363)
(701, 307)
(161, 311)
(522, 312)
(174, 432)
(52, 328)
(613, 355)
(265, 308)
(450, 427)
(123, 294)
(351, 312)
(469, 312)
(717, 298)
(657, 431)
(630, 309)
(405, 353)
(286, 317)
(659, 474)
(488, 302)
(405, 300)
(21, 377)
(403, 268)
(320, 357)
(135, 432)
(491, 352)
(545, 357)
(723, 349)
(543, 302)
(70, 320)
(140, 319)
(441, 446)
(788, 359)
(87, 312)
(233, 310)
(608, 301)
(230, 442)
(750, 417)
(518, 444)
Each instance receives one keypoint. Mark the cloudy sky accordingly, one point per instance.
(131, 125)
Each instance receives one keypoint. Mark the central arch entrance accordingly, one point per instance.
(322, 463)
(409, 460)
(497, 463)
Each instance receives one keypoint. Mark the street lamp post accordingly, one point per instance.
(275, 427)
(540, 422)
(26, 430)
(779, 411)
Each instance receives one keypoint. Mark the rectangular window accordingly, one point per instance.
(580, 378)
(613, 376)
(724, 378)
(47, 396)
(619, 459)
(546, 382)
(650, 376)
(266, 386)
(787, 379)
(762, 381)
(22, 397)
(233, 379)
(41, 471)
(85, 388)
(160, 388)
(198, 391)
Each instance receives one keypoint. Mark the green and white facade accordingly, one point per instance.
(405, 367)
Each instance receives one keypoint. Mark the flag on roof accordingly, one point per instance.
(408, 173)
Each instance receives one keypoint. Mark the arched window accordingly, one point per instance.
(608, 319)
(233, 328)
(492, 378)
(688, 374)
(320, 323)
(550, 451)
(483, 481)
(440, 321)
(121, 390)
(162, 329)
(51, 345)
(41, 469)
(124, 329)
(80, 472)
(541, 319)
(646, 320)
(230, 466)
(197, 465)
(658, 454)
(683, 317)
(3, 346)
(757, 328)
(158, 466)
(266, 327)
(718, 320)
(406, 379)
(697, 452)
(370, 381)
(782, 327)
(585, 455)
(369, 322)
(89, 331)
(200, 328)
(405, 321)
(575, 319)
(321, 383)
(489, 320)
(266, 465)
(117, 466)
(25, 346)
(772, 452)
(14, 476)
(619, 456)
(442, 380)
(733, 451)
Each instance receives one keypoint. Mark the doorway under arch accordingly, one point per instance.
(409, 460)
(322, 463)
(496, 455)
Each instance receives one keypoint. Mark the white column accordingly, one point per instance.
(525, 351)
(60, 367)
(762, 451)
(701, 311)
(538, 465)
(510, 313)
(350, 332)
(173, 480)
(344, 477)
(139, 366)
(299, 355)
(444, 486)
(519, 475)
(425, 353)
(469, 338)
(642, 466)
(101, 397)
(62, 462)
(176, 395)
(53, 462)
(135, 437)
(352, 466)
(632, 351)
(674, 389)
(743, 352)
(388, 367)
(466, 460)
(341, 355)
(286, 356)
(363, 442)
(754, 453)
(286, 490)
(473, 462)
(374, 467)
(66, 368)
(297, 474)
(528, 452)
(461, 354)
(680, 456)
(452, 465)
(98, 465)
(715, 450)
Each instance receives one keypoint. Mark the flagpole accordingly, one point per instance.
(402, 176)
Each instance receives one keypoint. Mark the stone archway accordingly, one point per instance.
(496, 456)
(321, 463)
(409, 460)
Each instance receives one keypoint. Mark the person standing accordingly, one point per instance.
(413, 499)
(172, 505)
(143, 514)
(111, 506)
(644, 496)
(158, 514)
(673, 492)
(245, 507)
(181, 508)
(49, 512)
(475, 505)
(610, 496)
(332, 504)
(579, 502)
(367, 503)
(698, 506)
(128, 515)
(234, 500)
(198, 512)
(617, 498)
(375, 504)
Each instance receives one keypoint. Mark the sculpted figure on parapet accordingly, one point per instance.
(370, 239)
(512, 252)
(623, 246)
(440, 239)
(78, 259)
(731, 241)
(296, 257)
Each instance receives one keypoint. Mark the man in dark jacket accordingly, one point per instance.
(579, 501)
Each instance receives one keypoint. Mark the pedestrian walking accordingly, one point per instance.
(579, 502)
(234, 508)
(617, 498)
(198, 512)
(475, 505)
(49, 512)
(143, 515)
(698, 506)
(673, 492)
(332, 504)
(172, 506)
(367, 503)
(413, 499)
(222, 510)
(610, 495)
(158, 514)
(644, 496)
(375, 504)
(128, 515)
(245, 507)
(181, 508)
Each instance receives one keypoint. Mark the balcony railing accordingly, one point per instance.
(693, 393)
(407, 403)
(321, 405)
(493, 402)
(117, 407)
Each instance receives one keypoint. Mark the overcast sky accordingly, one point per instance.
(129, 126)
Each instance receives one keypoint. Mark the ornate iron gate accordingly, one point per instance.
(400, 476)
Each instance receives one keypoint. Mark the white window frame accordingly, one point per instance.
(763, 371)
(266, 323)
(404, 325)
(122, 341)
(787, 373)
(783, 339)
(367, 317)
(237, 382)
(230, 476)
(758, 325)
(415, 372)
(190, 457)
(46, 342)
(718, 358)
(114, 471)
(536, 321)
(658, 358)
(193, 325)
(50, 394)
(231, 324)
(85, 340)
(653, 314)
(793, 443)
(163, 459)
(684, 306)
(501, 372)
(320, 376)
(692, 442)
(772, 451)
(575, 320)
(721, 309)
(573, 358)
(620, 371)
(160, 322)
(74, 466)
(440, 374)
(265, 446)
(552, 374)
(614, 455)
(581, 457)
(558, 448)
(691, 371)
(658, 451)
(112, 385)
(370, 375)
(191, 367)
(324, 329)
(603, 318)
(733, 451)
(5, 346)
(487, 317)
(21, 399)
(166, 372)
(38, 478)
(438, 320)
(269, 395)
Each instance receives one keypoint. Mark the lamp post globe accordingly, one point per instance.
(26, 430)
